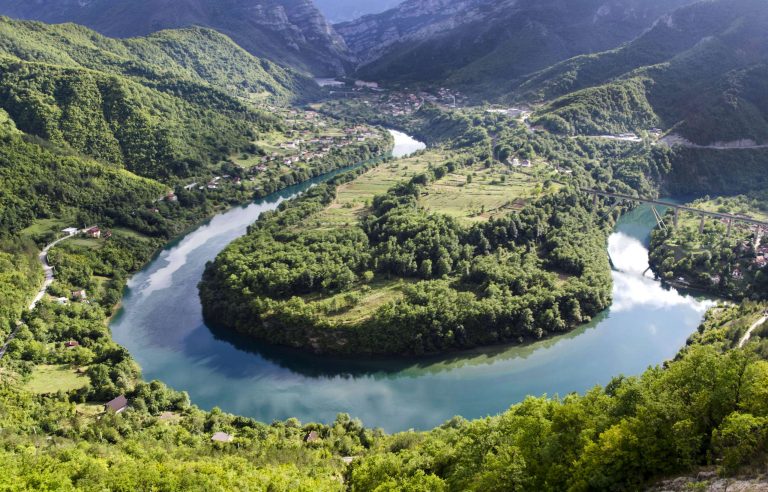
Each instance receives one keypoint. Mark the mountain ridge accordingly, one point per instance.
(290, 32)
(699, 73)
(487, 45)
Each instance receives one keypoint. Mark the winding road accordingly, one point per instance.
(48, 270)
(752, 328)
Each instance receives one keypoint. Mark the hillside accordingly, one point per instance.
(485, 46)
(699, 73)
(198, 55)
(165, 106)
(290, 32)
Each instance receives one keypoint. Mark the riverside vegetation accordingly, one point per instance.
(705, 407)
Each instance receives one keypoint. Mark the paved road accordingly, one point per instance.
(48, 270)
(752, 328)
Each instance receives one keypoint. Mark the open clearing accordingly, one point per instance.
(489, 192)
(50, 379)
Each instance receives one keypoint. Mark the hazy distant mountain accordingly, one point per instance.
(490, 43)
(291, 32)
(701, 72)
(347, 10)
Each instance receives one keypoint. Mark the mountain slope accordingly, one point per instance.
(700, 72)
(486, 45)
(291, 32)
(198, 55)
(166, 106)
(347, 10)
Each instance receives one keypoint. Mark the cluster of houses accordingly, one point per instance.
(760, 260)
(515, 162)
(405, 103)
(94, 232)
(77, 295)
(309, 149)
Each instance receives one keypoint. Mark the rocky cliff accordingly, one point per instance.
(290, 32)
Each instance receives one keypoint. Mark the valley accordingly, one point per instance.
(361, 256)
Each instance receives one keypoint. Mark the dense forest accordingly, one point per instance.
(166, 60)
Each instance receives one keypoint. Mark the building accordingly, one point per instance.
(222, 437)
(70, 231)
(72, 344)
(93, 232)
(117, 405)
(80, 294)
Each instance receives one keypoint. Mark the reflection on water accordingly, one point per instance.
(405, 145)
(634, 287)
(161, 324)
(627, 253)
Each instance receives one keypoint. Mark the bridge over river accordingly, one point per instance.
(729, 219)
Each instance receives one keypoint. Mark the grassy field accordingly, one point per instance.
(490, 192)
(50, 379)
(737, 205)
(372, 295)
(42, 226)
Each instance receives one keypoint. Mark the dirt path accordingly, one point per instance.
(752, 328)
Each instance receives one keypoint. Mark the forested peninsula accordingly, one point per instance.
(395, 276)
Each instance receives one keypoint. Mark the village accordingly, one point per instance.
(307, 139)
(395, 103)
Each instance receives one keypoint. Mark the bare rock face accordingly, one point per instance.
(290, 32)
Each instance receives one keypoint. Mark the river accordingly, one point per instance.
(161, 324)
